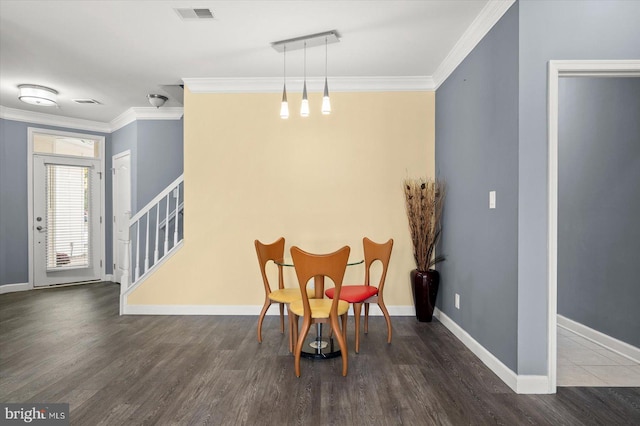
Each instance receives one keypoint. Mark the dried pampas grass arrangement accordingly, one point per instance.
(424, 199)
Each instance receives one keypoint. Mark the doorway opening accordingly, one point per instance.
(557, 70)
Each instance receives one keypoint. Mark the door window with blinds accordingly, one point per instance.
(68, 192)
(66, 228)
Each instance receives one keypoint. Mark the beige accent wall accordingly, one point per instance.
(321, 182)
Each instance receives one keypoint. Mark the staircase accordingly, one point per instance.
(155, 234)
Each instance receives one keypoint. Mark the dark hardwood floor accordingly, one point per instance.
(69, 345)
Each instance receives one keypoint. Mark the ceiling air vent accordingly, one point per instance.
(86, 101)
(194, 14)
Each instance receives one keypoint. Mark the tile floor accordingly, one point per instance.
(582, 362)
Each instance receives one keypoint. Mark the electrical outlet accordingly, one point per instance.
(457, 301)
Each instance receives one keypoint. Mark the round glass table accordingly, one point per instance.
(318, 347)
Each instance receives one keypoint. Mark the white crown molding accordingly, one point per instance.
(314, 84)
(145, 113)
(488, 17)
(129, 116)
(53, 120)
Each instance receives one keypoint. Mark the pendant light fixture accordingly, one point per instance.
(304, 106)
(303, 42)
(284, 107)
(326, 102)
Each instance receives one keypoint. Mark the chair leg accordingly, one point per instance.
(342, 342)
(386, 317)
(281, 318)
(357, 307)
(290, 323)
(267, 303)
(344, 327)
(306, 324)
(366, 318)
(294, 331)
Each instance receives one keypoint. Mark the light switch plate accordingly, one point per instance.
(492, 199)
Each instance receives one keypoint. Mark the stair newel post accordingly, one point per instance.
(155, 252)
(146, 249)
(137, 250)
(175, 226)
(125, 280)
(166, 228)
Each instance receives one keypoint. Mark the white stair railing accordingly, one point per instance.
(153, 223)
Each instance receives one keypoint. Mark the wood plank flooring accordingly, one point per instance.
(69, 345)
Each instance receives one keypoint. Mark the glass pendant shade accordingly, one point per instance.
(284, 107)
(304, 107)
(326, 102)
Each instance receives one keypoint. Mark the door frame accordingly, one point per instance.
(114, 237)
(557, 70)
(101, 140)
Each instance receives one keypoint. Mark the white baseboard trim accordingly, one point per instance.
(397, 311)
(611, 343)
(522, 384)
(12, 288)
(107, 277)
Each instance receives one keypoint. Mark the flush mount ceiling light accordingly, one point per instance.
(157, 100)
(38, 95)
(303, 42)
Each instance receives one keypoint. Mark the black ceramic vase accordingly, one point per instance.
(425, 290)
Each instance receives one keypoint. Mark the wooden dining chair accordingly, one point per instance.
(367, 293)
(313, 311)
(283, 296)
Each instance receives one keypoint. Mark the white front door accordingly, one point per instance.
(66, 220)
(121, 212)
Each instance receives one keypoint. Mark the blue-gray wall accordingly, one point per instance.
(477, 152)
(157, 160)
(599, 204)
(14, 232)
(553, 30)
(160, 157)
(157, 156)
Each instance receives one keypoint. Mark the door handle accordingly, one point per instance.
(40, 228)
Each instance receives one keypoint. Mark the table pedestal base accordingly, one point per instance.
(319, 347)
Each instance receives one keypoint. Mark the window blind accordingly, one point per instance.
(68, 213)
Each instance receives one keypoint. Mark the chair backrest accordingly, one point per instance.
(308, 265)
(267, 252)
(372, 252)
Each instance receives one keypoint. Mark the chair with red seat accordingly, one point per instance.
(367, 293)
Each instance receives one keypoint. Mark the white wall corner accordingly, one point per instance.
(488, 17)
(520, 384)
(12, 288)
(530, 384)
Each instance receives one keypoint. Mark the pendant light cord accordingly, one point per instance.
(325, 57)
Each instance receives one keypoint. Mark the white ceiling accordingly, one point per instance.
(119, 51)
